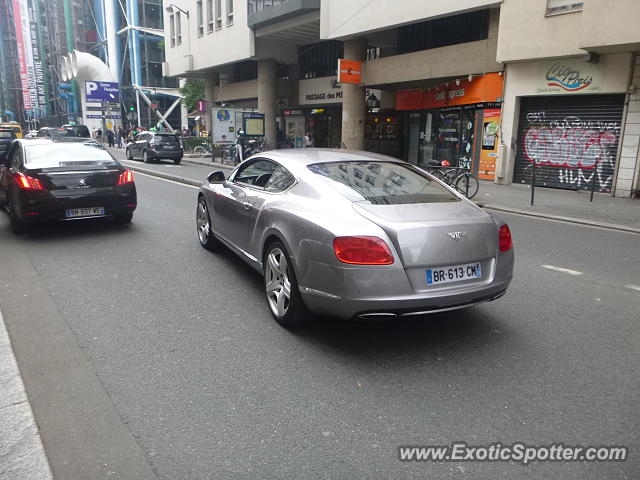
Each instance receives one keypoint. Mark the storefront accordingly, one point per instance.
(458, 122)
(566, 116)
(321, 102)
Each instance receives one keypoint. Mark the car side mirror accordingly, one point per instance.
(216, 177)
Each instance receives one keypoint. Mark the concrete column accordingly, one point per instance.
(267, 98)
(210, 84)
(353, 101)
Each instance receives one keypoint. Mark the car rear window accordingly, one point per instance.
(167, 138)
(383, 183)
(66, 154)
(6, 134)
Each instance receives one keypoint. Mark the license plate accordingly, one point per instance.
(84, 212)
(454, 273)
(168, 147)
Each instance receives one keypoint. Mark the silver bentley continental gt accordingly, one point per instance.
(354, 234)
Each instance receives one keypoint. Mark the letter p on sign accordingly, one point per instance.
(91, 87)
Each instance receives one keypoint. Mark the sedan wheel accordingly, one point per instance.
(129, 156)
(145, 157)
(281, 287)
(203, 224)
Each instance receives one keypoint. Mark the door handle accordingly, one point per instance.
(247, 205)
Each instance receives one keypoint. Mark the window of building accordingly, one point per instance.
(218, 14)
(442, 32)
(229, 12)
(555, 7)
(199, 18)
(209, 16)
(320, 59)
(178, 29)
(172, 29)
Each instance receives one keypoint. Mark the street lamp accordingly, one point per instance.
(169, 8)
(373, 103)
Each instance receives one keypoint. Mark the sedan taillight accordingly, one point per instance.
(505, 242)
(125, 177)
(362, 250)
(25, 182)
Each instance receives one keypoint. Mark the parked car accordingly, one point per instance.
(15, 126)
(153, 146)
(7, 136)
(48, 180)
(31, 134)
(354, 234)
(79, 130)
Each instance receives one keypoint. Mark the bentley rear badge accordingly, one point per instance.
(456, 235)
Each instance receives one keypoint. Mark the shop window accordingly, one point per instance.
(555, 7)
(453, 30)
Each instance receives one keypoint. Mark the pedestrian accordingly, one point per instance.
(99, 135)
(110, 138)
(308, 140)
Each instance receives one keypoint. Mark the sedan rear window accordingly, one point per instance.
(382, 183)
(62, 154)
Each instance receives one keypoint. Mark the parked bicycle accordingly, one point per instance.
(203, 150)
(461, 179)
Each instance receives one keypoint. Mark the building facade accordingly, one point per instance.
(485, 84)
(571, 94)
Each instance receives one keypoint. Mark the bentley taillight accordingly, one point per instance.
(362, 250)
(505, 242)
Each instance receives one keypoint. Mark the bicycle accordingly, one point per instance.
(203, 150)
(461, 179)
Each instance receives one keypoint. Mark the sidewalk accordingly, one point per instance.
(565, 205)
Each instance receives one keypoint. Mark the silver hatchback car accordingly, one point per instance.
(354, 234)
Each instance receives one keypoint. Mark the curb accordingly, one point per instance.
(23, 454)
(559, 218)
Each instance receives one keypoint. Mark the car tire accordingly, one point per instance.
(128, 154)
(123, 217)
(177, 161)
(145, 157)
(18, 227)
(279, 277)
(203, 226)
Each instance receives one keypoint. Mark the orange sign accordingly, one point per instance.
(349, 71)
(487, 88)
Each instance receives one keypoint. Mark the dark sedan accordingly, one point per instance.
(47, 180)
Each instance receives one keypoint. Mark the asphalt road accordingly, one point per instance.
(209, 386)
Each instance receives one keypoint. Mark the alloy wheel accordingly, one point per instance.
(203, 223)
(277, 282)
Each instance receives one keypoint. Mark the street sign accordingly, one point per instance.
(154, 105)
(349, 71)
(116, 117)
(99, 92)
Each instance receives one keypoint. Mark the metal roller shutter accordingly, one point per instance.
(574, 140)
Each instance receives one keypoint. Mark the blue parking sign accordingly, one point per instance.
(99, 92)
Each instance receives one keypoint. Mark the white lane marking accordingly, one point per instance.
(633, 287)
(166, 180)
(563, 270)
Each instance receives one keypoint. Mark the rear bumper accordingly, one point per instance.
(43, 206)
(387, 292)
(170, 154)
